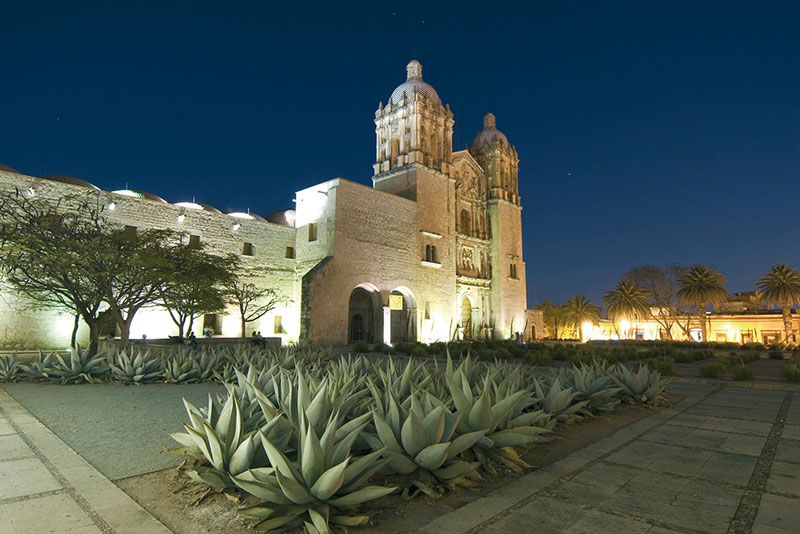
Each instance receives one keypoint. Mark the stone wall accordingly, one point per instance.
(23, 327)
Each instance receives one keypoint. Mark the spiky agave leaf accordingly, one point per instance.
(323, 479)
(643, 386)
(138, 369)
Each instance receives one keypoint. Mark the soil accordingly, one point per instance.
(173, 499)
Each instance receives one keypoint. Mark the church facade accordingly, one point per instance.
(431, 252)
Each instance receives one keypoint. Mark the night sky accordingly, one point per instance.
(648, 132)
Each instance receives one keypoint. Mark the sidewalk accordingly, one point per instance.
(722, 460)
(46, 487)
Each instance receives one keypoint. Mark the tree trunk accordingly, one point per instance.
(701, 312)
(244, 327)
(787, 323)
(73, 339)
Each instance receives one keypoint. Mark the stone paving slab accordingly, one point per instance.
(46, 487)
(715, 462)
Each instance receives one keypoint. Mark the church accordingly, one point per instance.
(432, 252)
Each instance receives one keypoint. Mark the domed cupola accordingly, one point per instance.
(499, 160)
(413, 127)
(489, 134)
(414, 83)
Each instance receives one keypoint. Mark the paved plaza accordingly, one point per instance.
(723, 459)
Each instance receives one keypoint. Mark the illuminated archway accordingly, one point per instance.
(403, 316)
(466, 318)
(364, 315)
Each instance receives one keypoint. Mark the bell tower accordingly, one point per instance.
(413, 127)
(499, 159)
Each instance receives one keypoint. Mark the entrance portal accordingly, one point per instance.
(466, 318)
(403, 319)
(362, 316)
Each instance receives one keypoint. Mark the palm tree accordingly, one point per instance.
(781, 286)
(627, 301)
(579, 310)
(702, 285)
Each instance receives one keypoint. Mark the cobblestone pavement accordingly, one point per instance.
(46, 487)
(721, 460)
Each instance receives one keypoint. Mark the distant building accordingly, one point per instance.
(742, 318)
(432, 252)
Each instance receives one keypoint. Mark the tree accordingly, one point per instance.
(579, 310)
(196, 284)
(44, 246)
(627, 301)
(130, 268)
(781, 286)
(662, 286)
(553, 316)
(702, 285)
(254, 301)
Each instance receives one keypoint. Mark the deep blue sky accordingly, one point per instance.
(648, 132)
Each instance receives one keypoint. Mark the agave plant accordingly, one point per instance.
(500, 417)
(319, 485)
(79, 367)
(559, 401)
(39, 368)
(10, 368)
(421, 443)
(138, 369)
(206, 365)
(218, 436)
(643, 386)
(180, 367)
(593, 384)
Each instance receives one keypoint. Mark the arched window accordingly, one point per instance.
(428, 253)
(464, 224)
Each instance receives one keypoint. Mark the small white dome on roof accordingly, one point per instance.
(414, 81)
(489, 133)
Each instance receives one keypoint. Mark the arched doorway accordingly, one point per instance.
(466, 318)
(362, 316)
(403, 316)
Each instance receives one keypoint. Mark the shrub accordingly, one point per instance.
(665, 366)
(418, 351)
(405, 348)
(538, 358)
(712, 369)
(775, 354)
(382, 348)
(754, 346)
(792, 372)
(360, 347)
(742, 373)
(750, 356)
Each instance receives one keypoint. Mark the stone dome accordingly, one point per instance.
(69, 180)
(283, 217)
(414, 80)
(489, 133)
(8, 169)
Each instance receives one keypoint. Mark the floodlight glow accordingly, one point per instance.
(181, 218)
(189, 205)
(112, 206)
(240, 215)
(31, 191)
(236, 226)
(128, 193)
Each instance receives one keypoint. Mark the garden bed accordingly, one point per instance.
(170, 497)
